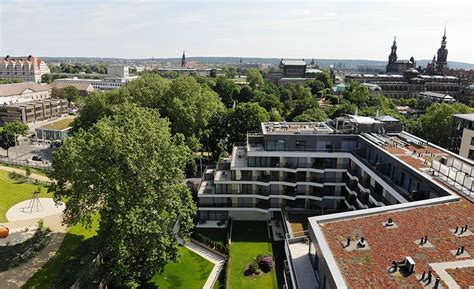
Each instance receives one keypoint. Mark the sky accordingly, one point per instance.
(281, 29)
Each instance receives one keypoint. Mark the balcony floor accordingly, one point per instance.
(302, 264)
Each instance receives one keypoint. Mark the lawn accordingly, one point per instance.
(191, 271)
(249, 239)
(76, 251)
(13, 191)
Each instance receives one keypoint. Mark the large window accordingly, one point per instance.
(471, 154)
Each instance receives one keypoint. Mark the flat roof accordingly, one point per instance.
(295, 62)
(467, 116)
(59, 125)
(362, 119)
(369, 267)
(296, 128)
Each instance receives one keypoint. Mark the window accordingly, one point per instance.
(471, 154)
(300, 145)
(472, 141)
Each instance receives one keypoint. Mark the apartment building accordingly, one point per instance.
(26, 69)
(463, 135)
(317, 168)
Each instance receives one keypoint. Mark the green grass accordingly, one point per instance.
(14, 191)
(76, 251)
(249, 239)
(191, 271)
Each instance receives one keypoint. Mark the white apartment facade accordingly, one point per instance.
(26, 69)
(308, 167)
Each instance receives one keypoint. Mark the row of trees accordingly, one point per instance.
(78, 68)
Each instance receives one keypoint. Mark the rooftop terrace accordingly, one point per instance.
(446, 169)
(296, 128)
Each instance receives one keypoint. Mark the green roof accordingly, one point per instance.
(59, 125)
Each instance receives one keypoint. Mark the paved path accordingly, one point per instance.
(207, 254)
(22, 172)
(440, 269)
(17, 277)
(217, 260)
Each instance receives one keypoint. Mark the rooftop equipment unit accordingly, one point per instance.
(409, 265)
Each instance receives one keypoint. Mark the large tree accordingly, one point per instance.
(244, 118)
(312, 114)
(128, 169)
(436, 124)
(9, 134)
(189, 106)
(254, 78)
(227, 89)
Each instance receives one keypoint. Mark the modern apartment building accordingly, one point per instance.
(463, 135)
(26, 69)
(354, 163)
(386, 205)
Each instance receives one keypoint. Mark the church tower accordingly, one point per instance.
(183, 60)
(392, 58)
(442, 61)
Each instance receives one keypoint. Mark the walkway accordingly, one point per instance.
(440, 269)
(217, 260)
(207, 254)
(302, 264)
(17, 277)
(22, 172)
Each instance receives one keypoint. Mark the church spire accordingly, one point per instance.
(183, 59)
(393, 53)
(442, 59)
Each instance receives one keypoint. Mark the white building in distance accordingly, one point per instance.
(26, 69)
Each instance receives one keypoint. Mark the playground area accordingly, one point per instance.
(34, 208)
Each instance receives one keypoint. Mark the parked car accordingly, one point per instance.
(37, 158)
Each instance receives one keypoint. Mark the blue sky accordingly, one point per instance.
(309, 29)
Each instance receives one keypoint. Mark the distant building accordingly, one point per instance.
(26, 69)
(292, 68)
(33, 111)
(83, 88)
(293, 71)
(411, 83)
(398, 66)
(117, 76)
(463, 135)
(438, 65)
(118, 70)
(426, 98)
(183, 59)
(23, 92)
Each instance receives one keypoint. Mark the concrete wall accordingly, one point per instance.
(466, 145)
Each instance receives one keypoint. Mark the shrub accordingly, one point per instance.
(253, 267)
(266, 263)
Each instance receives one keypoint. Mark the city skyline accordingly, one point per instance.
(160, 29)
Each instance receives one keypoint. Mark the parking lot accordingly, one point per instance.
(26, 150)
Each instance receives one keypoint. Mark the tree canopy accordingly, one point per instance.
(10, 132)
(127, 168)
